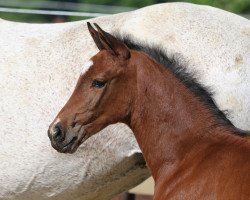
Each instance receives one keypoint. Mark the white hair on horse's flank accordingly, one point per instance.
(86, 66)
(39, 66)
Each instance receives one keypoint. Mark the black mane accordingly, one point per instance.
(204, 94)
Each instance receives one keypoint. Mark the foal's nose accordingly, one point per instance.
(56, 132)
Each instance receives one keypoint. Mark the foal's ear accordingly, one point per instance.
(95, 36)
(113, 45)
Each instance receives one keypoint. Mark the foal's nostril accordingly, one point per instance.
(58, 133)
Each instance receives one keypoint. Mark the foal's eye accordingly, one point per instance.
(98, 83)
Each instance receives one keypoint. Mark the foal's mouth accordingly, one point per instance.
(76, 139)
(70, 146)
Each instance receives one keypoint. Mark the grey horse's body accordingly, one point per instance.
(39, 65)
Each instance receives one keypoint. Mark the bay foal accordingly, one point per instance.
(192, 150)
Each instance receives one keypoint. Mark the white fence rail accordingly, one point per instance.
(51, 12)
(69, 6)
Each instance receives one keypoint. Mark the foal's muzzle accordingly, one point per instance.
(61, 141)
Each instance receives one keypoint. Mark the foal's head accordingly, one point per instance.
(102, 96)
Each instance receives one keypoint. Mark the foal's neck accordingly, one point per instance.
(171, 125)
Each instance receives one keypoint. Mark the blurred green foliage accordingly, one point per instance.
(26, 17)
(236, 6)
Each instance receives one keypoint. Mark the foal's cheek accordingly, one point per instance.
(96, 126)
(90, 100)
(90, 130)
